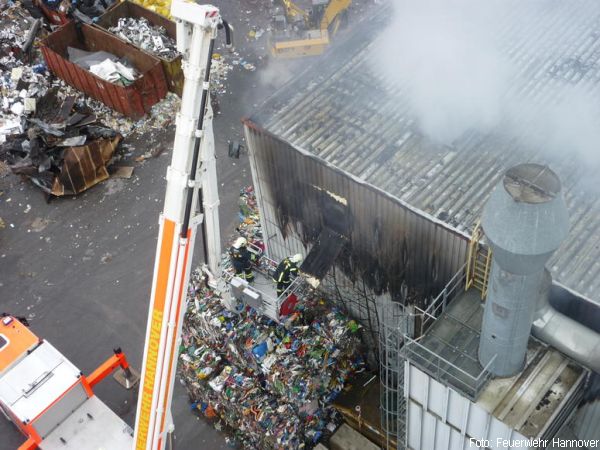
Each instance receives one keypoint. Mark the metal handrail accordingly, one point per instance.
(473, 384)
(439, 303)
(468, 384)
(450, 288)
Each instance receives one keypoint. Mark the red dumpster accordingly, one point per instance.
(172, 67)
(134, 100)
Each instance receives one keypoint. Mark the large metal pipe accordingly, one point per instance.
(525, 220)
(565, 334)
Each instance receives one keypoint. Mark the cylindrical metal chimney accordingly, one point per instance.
(525, 220)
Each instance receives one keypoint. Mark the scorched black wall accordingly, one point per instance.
(389, 243)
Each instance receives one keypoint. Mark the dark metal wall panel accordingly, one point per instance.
(389, 242)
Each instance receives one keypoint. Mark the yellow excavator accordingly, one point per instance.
(304, 26)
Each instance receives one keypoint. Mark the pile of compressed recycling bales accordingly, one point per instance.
(269, 384)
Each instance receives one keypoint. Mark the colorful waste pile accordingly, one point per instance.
(269, 384)
(249, 226)
(150, 38)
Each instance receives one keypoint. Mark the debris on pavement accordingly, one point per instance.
(141, 33)
(219, 72)
(59, 147)
(270, 385)
(122, 172)
(59, 12)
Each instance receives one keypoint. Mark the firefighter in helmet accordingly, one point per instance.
(241, 259)
(286, 270)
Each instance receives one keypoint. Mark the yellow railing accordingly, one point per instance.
(479, 260)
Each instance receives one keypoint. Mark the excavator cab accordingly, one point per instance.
(308, 25)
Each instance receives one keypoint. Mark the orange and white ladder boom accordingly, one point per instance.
(191, 199)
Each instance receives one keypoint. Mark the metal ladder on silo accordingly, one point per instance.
(479, 260)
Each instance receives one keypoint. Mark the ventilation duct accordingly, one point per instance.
(525, 220)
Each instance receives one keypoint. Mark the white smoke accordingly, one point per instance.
(461, 65)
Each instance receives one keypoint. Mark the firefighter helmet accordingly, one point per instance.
(240, 242)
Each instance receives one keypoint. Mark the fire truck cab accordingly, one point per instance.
(49, 399)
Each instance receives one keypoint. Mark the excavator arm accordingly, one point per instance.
(332, 14)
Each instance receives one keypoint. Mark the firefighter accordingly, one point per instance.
(284, 272)
(242, 259)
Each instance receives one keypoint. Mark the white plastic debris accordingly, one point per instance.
(114, 71)
(16, 73)
(17, 108)
(29, 104)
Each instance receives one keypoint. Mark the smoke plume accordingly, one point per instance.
(529, 68)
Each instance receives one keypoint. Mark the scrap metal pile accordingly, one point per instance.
(269, 384)
(58, 144)
(152, 39)
(50, 133)
(17, 29)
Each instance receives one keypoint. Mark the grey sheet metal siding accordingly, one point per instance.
(586, 421)
(389, 243)
(348, 115)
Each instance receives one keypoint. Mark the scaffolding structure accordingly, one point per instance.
(357, 301)
(440, 348)
(395, 323)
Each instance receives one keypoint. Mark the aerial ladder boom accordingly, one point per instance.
(185, 207)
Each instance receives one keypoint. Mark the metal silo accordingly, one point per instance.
(525, 220)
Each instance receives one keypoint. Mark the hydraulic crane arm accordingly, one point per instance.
(196, 31)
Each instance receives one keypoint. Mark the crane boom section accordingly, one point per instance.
(194, 143)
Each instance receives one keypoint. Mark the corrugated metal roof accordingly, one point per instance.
(349, 114)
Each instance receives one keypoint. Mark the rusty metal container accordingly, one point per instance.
(134, 100)
(172, 67)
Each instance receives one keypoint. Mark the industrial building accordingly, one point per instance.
(340, 164)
